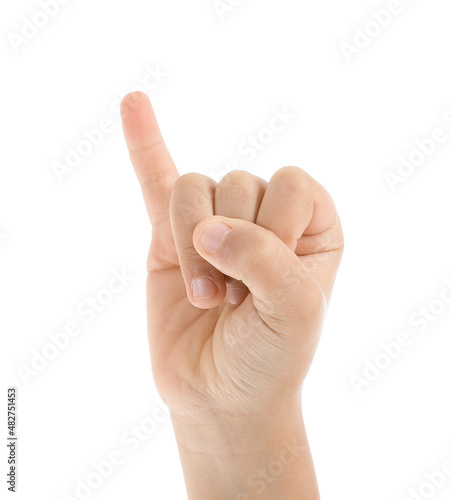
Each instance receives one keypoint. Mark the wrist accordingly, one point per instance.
(244, 457)
(227, 434)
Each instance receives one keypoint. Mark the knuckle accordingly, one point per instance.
(260, 239)
(293, 177)
(192, 180)
(192, 193)
(262, 248)
(238, 180)
(237, 176)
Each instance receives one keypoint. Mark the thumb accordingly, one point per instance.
(283, 291)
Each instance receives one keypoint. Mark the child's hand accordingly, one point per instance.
(216, 348)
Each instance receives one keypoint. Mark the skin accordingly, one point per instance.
(230, 365)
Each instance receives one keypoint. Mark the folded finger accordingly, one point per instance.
(192, 201)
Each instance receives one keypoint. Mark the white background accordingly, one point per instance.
(60, 240)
